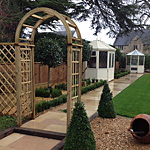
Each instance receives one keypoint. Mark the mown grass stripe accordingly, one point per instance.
(135, 99)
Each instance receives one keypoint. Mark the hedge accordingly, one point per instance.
(62, 86)
(56, 93)
(42, 92)
(43, 105)
(121, 74)
(92, 87)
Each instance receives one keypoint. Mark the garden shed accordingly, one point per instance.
(135, 61)
(101, 63)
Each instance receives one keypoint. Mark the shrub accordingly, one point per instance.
(43, 105)
(88, 81)
(147, 61)
(106, 106)
(50, 89)
(92, 87)
(56, 93)
(120, 74)
(79, 134)
(38, 92)
(62, 86)
(96, 80)
(42, 92)
(39, 107)
(63, 99)
(47, 93)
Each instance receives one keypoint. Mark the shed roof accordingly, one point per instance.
(136, 53)
(101, 46)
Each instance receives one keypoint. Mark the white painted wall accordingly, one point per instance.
(110, 74)
(100, 73)
(140, 69)
(91, 73)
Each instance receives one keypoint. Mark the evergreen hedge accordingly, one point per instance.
(43, 105)
(106, 106)
(42, 92)
(79, 134)
(93, 86)
(62, 86)
(120, 74)
(56, 93)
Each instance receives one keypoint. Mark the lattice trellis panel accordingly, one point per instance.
(7, 80)
(26, 80)
(8, 93)
(75, 72)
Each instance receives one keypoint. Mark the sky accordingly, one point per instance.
(87, 33)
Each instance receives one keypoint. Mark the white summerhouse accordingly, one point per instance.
(102, 61)
(135, 62)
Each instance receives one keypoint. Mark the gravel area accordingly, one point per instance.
(113, 134)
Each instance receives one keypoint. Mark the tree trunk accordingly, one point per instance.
(48, 77)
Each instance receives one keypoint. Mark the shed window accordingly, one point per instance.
(112, 60)
(109, 60)
(94, 53)
(135, 47)
(92, 61)
(102, 59)
(134, 60)
(133, 68)
(120, 46)
(141, 58)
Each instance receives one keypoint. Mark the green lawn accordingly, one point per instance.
(135, 99)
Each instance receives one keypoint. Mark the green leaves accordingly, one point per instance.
(6, 122)
(106, 106)
(119, 16)
(79, 134)
(147, 61)
(87, 50)
(48, 52)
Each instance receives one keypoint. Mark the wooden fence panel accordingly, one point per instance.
(57, 75)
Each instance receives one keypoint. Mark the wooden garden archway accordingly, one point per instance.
(24, 62)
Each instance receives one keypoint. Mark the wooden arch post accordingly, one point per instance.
(24, 53)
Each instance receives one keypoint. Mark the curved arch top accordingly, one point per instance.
(50, 13)
(24, 54)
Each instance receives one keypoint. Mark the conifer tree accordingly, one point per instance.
(79, 134)
(106, 106)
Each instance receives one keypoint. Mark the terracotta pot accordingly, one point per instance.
(140, 128)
